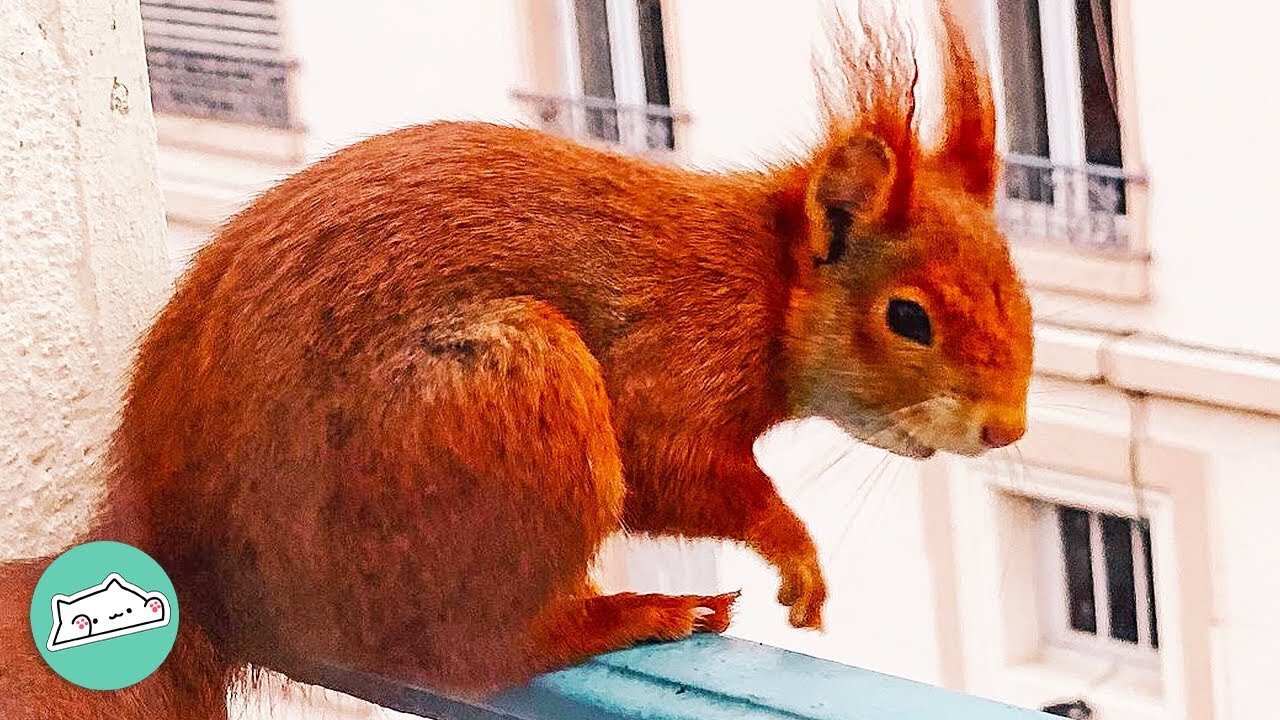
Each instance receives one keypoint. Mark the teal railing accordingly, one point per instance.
(708, 677)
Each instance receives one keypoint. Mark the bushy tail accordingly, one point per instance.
(190, 685)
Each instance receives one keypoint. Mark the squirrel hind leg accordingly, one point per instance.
(477, 477)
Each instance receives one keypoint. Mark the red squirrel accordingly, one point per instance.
(398, 402)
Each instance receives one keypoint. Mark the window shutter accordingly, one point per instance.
(217, 58)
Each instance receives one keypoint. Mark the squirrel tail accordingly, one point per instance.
(191, 684)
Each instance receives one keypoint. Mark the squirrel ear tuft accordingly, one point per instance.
(969, 142)
(853, 183)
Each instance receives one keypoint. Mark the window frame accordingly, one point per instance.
(281, 53)
(1064, 104)
(1058, 632)
(1063, 96)
(1048, 263)
(627, 64)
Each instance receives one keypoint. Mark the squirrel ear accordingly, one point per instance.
(852, 184)
(969, 142)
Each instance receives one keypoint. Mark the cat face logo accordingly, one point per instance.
(111, 609)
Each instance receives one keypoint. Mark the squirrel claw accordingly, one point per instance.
(713, 613)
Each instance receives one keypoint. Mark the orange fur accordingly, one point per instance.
(398, 402)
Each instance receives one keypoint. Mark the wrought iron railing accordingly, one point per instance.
(637, 128)
(1086, 206)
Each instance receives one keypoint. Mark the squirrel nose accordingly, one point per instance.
(998, 434)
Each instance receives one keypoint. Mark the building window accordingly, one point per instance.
(219, 59)
(1102, 595)
(614, 62)
(1065, 177)
(1084, 593)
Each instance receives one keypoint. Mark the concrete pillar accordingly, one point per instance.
(82, 263)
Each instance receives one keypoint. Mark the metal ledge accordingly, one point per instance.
(708, 677)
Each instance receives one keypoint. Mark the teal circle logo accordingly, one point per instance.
(104, 615)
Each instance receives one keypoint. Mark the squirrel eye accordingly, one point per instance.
(908, 319)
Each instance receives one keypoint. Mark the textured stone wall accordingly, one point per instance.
(82, 264)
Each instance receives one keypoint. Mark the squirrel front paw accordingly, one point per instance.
(804, 590)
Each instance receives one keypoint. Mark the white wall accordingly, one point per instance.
(1207, 122)
(382, 64)
(862, 505)
(82, 263)
(742, 71)
(1244, 452)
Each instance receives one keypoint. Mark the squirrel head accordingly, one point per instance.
(908, 326)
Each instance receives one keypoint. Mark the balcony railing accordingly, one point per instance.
(635, 128)
(707, 677)
(1087, 206)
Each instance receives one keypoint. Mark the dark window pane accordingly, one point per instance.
(1117, 544)
(1145, 529)
(1097, 82)
(1078, 563)
(1026, 117)
(657, 89)
(595, 57)
(1098, 93)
